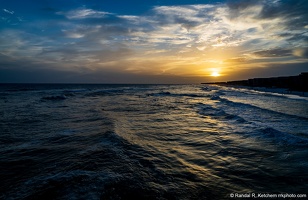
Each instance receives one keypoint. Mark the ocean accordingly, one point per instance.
(87, 141)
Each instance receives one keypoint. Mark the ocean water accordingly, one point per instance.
(150, 142)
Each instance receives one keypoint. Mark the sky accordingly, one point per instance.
(158, 41)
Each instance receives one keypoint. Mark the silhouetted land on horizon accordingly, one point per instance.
(292, 83)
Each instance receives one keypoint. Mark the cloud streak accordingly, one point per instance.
(83, 14)
(9, 12)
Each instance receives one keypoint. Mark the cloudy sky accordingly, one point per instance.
(159, 41)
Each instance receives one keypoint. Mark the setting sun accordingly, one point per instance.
(215, 73)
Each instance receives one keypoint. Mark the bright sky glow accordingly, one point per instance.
(215, 74)
(143, 42)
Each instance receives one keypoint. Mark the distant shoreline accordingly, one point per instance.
(293, 85)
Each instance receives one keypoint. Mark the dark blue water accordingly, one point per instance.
(149, 142)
